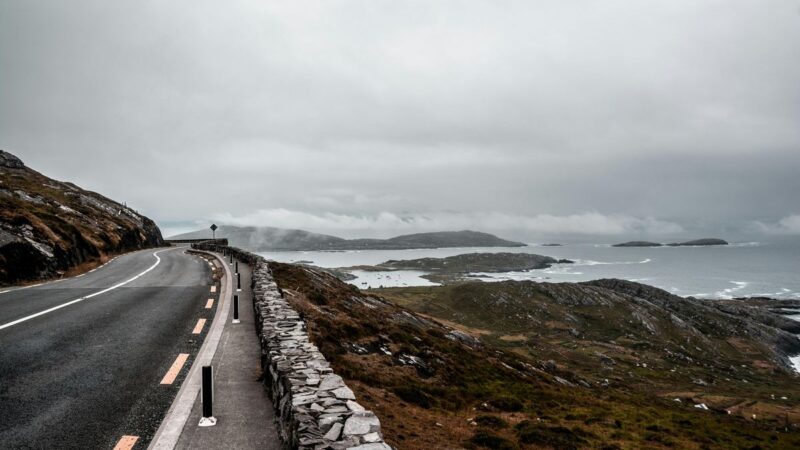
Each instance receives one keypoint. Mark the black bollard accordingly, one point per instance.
(236, 265)
(235, 309)
(208, 419)
(231, 255)
(238, 282)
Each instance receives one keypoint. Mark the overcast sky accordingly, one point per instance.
(530, 119)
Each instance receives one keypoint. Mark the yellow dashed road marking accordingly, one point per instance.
(126, 442)
(175, 369)
(199, 327)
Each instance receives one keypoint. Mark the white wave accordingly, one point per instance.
(729, 293)
(590, 262)
(795, 360)
(744, 244)
(561, 270)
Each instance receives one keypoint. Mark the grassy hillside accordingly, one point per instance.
(510, 366)
(49, 227)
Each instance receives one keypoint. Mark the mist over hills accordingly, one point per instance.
(281, 239)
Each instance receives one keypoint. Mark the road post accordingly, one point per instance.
(208, 419)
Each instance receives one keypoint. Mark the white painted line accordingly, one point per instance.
(60, 279)
(213, 288)
(64, 305)
(210, 303)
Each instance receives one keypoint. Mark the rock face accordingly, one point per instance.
(314, 407)
(699, 242)
(638, 244)
(275, 239)
(49, 226)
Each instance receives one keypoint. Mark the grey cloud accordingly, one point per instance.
(684, 112)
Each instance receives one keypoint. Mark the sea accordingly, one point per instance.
(741, 269)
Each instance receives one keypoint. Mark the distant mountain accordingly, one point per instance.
(48, 227)
(280, 239)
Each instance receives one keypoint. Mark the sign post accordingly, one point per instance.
(214, 231)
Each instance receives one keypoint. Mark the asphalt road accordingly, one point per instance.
(84, 375)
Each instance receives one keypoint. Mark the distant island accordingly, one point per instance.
(638, 244)
(281, 239)
(694, 243)
(699, 242)
(455, 268)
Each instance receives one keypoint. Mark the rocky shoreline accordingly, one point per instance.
(457, 268)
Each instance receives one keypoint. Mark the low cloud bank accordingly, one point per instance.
(787, 225)
(588, 223)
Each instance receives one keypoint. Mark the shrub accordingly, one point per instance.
(487, 439)
(414, 395)
(491, 422)
(558, 437)
(506, 403)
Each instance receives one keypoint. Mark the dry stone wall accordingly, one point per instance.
(314, 407)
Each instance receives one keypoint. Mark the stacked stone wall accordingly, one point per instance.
(314, 407)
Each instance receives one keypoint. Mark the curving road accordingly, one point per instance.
(82, 359)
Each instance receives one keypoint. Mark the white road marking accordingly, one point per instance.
(60, 279)
(63, 305)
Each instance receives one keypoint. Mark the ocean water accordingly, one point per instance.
(742, 269)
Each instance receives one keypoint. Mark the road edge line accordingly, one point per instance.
(85, 297)
(170, 429)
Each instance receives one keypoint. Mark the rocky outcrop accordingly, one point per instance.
(314, 407)
(48, 227)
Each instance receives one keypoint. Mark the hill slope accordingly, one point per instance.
(281, 239)
(48, 227)
(518, 365)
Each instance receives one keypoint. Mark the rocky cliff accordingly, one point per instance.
(49, 227)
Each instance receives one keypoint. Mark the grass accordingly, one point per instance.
(513, 383)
